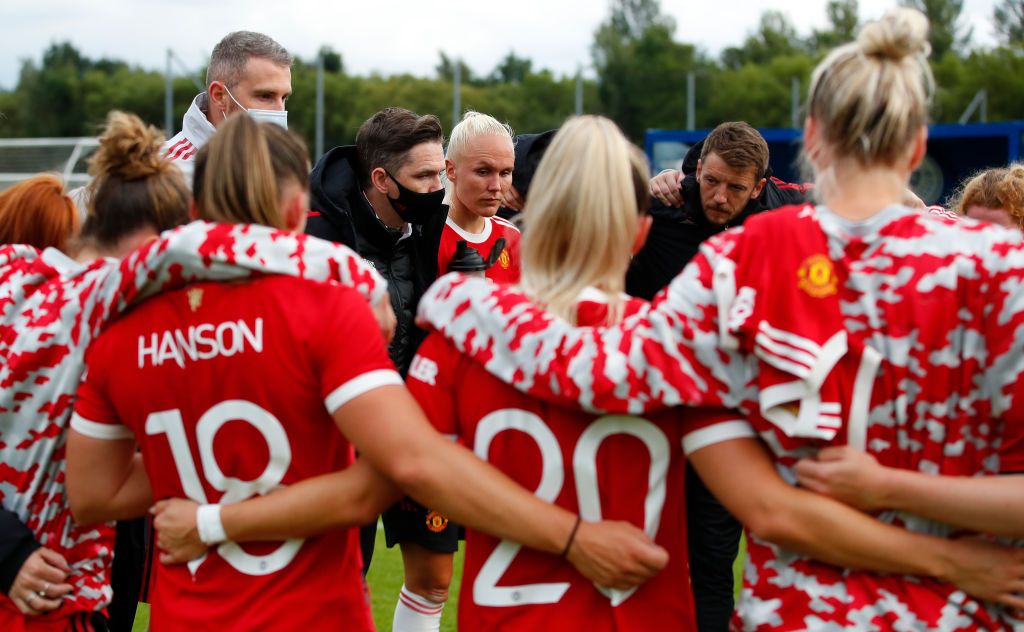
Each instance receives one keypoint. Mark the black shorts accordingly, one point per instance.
(409, 521)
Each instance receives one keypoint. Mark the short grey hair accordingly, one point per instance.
(231, 54)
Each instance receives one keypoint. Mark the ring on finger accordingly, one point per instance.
(42, 593)
(30, 600)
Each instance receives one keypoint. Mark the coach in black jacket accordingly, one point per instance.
(727, 180)
(383, 198)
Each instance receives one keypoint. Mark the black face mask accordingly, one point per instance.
(416, 208)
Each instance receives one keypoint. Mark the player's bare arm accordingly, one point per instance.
(829, 531)
(351, 497)
(432, 469)
(106, 479)
(987, 504)
(435, 471)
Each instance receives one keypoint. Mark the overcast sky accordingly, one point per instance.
(386, 36)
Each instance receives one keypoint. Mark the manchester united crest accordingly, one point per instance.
(195, 298)
(437, 522)
(817, 276)
(504, 260)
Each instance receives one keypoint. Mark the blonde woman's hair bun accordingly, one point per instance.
(900, 33)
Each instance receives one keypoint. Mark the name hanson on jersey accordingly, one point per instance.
(200, 342)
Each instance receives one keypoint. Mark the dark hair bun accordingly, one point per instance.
(129, 149)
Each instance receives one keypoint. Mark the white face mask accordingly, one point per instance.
(277, 117)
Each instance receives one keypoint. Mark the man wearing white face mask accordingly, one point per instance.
(248, 72)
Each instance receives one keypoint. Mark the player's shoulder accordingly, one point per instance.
(302, 286)
(592, 306)
(504, 225)
(788, 217)
(434, 350)
(438, 363)
(969, 236)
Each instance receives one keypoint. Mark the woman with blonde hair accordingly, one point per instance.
(575, 250)
(38, 212)
(478, 167)
(583, 236)
(857, 322)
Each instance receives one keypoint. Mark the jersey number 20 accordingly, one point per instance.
(486, 591)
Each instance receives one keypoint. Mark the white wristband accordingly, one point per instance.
(208, 524)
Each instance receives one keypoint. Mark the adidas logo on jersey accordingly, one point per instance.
(424, 370)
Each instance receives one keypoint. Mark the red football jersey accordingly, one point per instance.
(229, 389)
(603, 467)
(505, 269)
(51, 308)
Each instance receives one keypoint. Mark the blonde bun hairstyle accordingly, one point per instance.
(870, 98)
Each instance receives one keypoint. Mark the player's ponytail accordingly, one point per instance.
(240, 174)
(133, 185)
(581, 218)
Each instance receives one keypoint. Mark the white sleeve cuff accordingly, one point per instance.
(360, 385)
(109, 432)
(725, 431)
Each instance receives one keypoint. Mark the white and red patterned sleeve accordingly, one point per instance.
(10, 253)
(665, 356)
(1005, 349)
(202, 251)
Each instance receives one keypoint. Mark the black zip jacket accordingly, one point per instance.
(341, 213)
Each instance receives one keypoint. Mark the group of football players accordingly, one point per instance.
(845, 377)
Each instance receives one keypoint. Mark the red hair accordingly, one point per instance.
(38, 212)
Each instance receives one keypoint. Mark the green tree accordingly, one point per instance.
(843, 22)
(641, 69)
(760, 94)
(332, 60)
(512, 69)
(775, 36)
(1008, 20)
(999, 72)
(446, 69)
(947, 32)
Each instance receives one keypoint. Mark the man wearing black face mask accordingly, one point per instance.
(383, 198)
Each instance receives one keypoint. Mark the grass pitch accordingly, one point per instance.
(385, 580)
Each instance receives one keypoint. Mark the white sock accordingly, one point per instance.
(414, 613)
